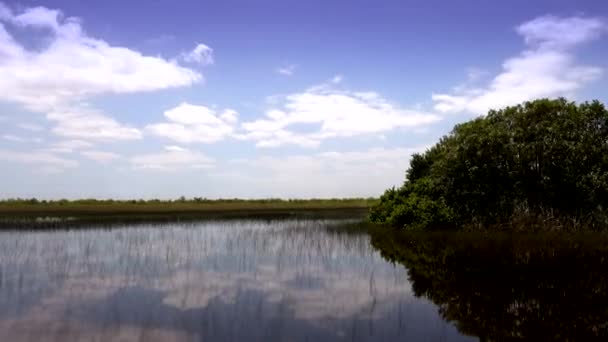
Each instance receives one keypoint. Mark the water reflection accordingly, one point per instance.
(289, 280)
(535, 288)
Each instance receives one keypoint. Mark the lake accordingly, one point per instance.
(285, 280)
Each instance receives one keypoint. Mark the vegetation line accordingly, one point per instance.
(96, 207)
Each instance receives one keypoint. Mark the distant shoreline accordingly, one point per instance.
(25, 212)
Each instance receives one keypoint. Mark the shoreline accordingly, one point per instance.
(53, 215)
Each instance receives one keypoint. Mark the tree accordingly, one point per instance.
(541, 161)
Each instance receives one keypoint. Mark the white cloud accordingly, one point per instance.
(547, 68)
(39, 17)
(326, 174)
(230, 116)
(201, 54)
(287, 70)
(100, 156)
(172, 159)
(189, 123)
(552, 32)
(37, 157)
(68, 146)
(88, 124)
(73, 65)
(174, 148)
(331, 113)
(58, 76)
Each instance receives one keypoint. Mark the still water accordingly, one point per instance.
(282, 280)
(298, 280)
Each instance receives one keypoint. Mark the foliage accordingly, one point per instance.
(413, 205)
(538, 162)
(35, 213)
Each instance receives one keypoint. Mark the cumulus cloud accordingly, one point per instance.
(189, 123)
(89, 124)
(66, 66)
(201, 54)
(74, 65)
(331, 113)
(546, 68)
(172, 159)
(287, 70)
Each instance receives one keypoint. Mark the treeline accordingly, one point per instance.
(539, 165)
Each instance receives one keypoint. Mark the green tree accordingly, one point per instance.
(541, 161)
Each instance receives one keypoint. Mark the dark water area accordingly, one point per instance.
(509, 287)
(293, 280)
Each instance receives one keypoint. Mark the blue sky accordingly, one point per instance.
(140, 99)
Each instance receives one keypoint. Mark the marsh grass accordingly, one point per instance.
(37, 214)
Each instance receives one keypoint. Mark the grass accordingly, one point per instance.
(16, 213)
(35, 207)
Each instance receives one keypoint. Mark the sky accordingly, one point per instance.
(258, 99)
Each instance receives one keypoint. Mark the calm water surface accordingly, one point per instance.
(288, 280)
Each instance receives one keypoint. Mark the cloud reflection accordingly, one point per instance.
(235, 280)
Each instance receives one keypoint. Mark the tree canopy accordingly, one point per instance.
(540, 163)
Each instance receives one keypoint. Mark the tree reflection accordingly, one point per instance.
(509, 287)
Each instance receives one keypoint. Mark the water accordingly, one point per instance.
(299, 280)
(284, 280)
(502, 287)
